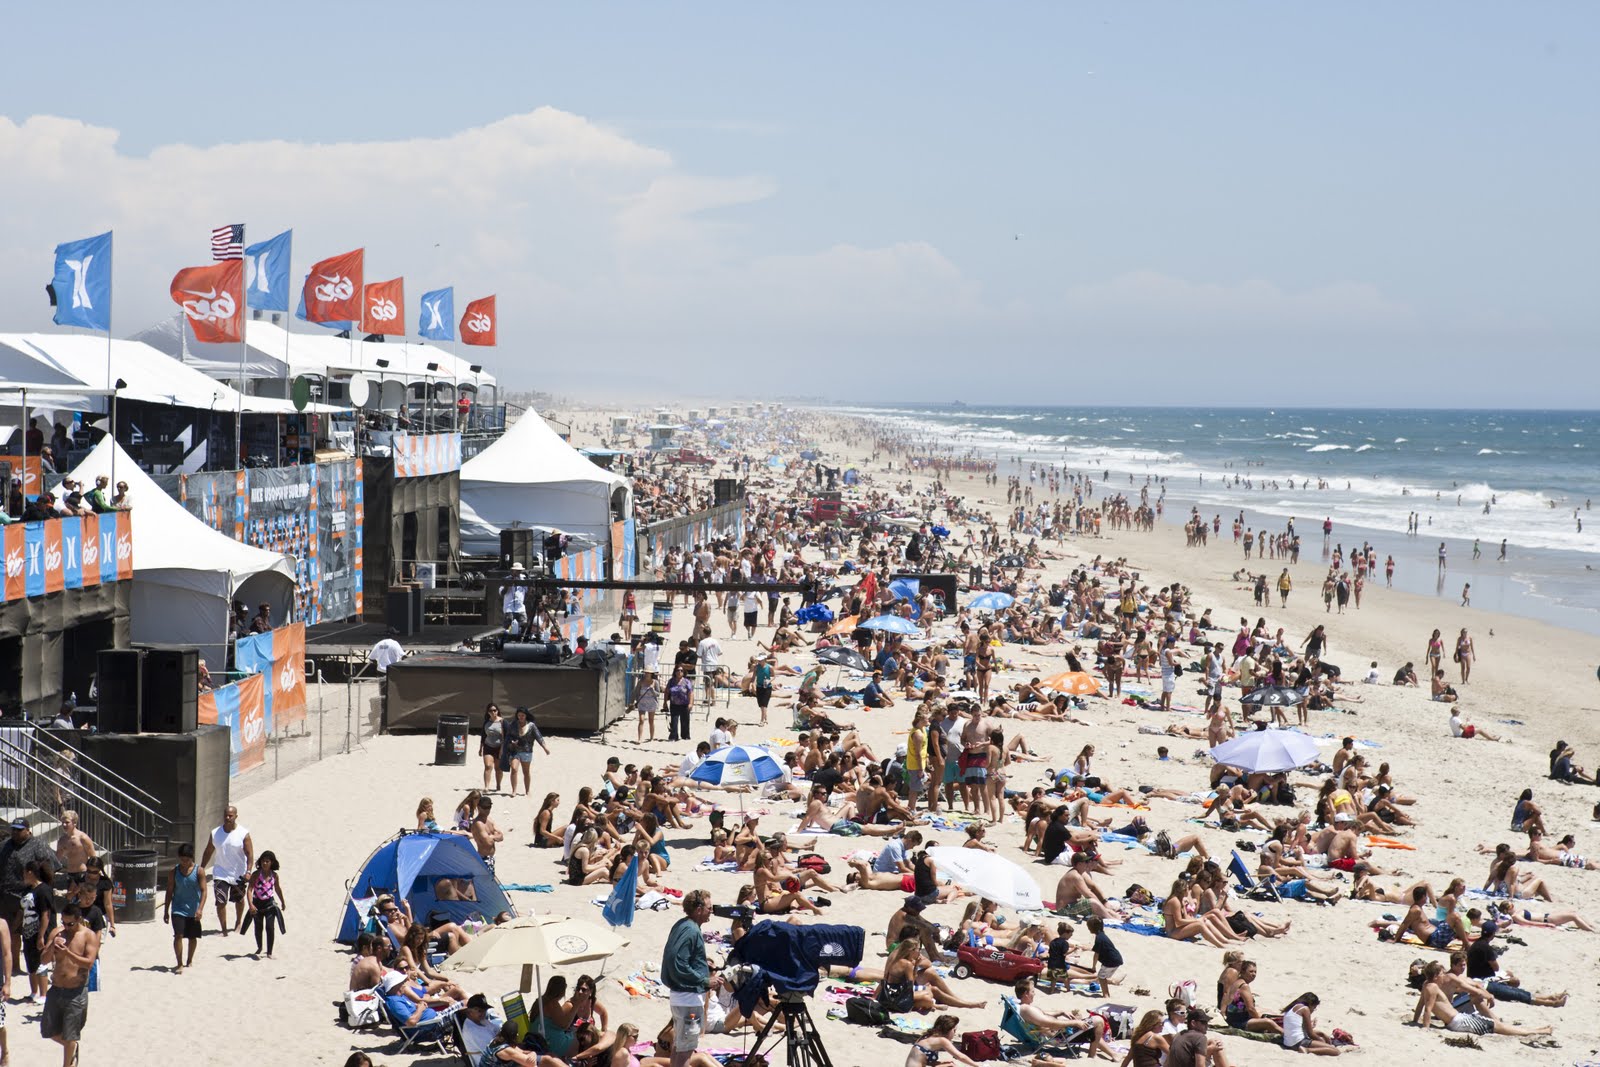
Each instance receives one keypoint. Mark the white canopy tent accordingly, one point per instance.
(531, 477)
(150, 375)
(185, 574)
(272, 352)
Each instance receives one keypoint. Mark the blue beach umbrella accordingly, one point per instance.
(893, 624)
(737, 765)
(991, 601)
(814, 613)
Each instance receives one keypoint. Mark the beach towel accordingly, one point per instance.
(713, 865)
(515, 887)
(639, 984)
(1143, 929)
(1374, 841)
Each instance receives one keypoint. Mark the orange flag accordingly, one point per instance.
(384, 309)
(333, 289)
(478, 322)
(212, 299)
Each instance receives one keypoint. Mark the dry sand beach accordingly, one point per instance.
(324, 820)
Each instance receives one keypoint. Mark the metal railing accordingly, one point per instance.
(46, 774)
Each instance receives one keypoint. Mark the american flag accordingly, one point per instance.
(227, 242)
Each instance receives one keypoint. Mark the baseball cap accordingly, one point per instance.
(19, 824)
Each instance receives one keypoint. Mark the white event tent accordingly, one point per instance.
(185, 574)
(530, 477)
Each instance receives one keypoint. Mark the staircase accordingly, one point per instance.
(41, 776)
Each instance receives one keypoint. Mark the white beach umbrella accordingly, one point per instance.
(1267, 751)
(989, 875)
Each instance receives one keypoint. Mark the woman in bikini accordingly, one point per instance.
(928, 1049)
(545, 833)
(1239, 1004)
(1179, 921)
(1434, 653)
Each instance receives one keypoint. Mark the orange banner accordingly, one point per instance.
(89, 544)
(124, 544)
(16, 562)
(55, 578)
(288, 675)
(252, 723)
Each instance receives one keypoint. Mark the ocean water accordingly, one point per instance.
(1367, 469)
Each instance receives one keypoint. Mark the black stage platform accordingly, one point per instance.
(581, 699)
(357, 638)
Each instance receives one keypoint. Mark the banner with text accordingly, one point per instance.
(241, 707)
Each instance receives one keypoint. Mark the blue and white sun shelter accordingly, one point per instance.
(412, 865)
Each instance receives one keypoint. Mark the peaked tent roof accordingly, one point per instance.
(531, 453)
(168, 539)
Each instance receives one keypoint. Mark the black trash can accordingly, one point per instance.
(133, 884)
(450, 743)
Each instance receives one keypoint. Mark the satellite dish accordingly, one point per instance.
(392, 396)
(360, 390)
(300, 392)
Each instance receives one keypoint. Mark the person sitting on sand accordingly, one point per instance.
(1467, 730)
(1077, 897)
(1239, 1003)
(1434, 1003)
(1505, 880)
(1442, 691)
(898, 991)
(1433, 934)
(1180, 921)
(823, 820)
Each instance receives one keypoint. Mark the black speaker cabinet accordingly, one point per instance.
(516, 546)
(726, 490)
(171, 691)
(534, 652)
(119, 685)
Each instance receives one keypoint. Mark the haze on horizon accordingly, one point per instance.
(1243, 204)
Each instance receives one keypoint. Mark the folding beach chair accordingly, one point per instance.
(436, 1032)
(1031, 1038)
(1247, 885)
(516, 1012)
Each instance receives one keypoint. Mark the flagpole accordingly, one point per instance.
(244, 346)
(287, 316)
(111, 381)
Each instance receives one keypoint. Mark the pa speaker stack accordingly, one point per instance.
(171, 691)
(516, 546)
(120, 689)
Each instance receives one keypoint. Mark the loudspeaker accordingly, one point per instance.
(171, 691)
(397, 611)
(531, 652)
(516, 546)
(726, 490)
(119, 685)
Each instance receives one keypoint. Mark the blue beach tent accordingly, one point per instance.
(410, 865)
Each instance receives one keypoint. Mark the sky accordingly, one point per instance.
(1390, 205)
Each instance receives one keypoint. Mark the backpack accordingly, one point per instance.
(1163, 846)
(810, 861)
(864, 1011)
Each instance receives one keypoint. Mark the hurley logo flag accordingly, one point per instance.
(212, 299)
(266, 273)
(618, 908)
(300, 313)
(478, 324)
(333, 289)
(384, 309)
(438, 321)
(81, 288)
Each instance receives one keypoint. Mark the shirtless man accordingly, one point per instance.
(74, 847)
(72, 951)
(367, 971)
(821, 819)
(1078, 897)
(1343, 852)
(1435, 935)
(974, 764)
(485, 835)
(873, 797)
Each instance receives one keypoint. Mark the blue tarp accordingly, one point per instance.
(410, 865)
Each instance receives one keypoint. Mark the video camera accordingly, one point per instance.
(788, 958)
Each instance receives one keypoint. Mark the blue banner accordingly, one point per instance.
(83, 283)
(300, 312)
(630, 548)
(227, 699)
(438, 319)
(33, 546)
(253, 654)
(108, 549)
(266, 273)
(72, 552)
(618, 908)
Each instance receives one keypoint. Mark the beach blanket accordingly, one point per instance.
(1143, 929)
(515, 887)
(639, 984)
(1374, 841)
(713, 865)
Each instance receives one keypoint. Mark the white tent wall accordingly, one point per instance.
(185, 574)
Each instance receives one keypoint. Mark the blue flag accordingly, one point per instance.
(82, 283)
(266, 273)
(619, 906)
(438, 318)
(300, 312)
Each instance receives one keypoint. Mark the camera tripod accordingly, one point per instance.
(802, 1043)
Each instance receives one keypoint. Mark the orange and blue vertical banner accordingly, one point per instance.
(278, 657)
(241, 707)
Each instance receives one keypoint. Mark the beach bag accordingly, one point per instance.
(981, 1045)
(864, 1011)
(362, 1008)
(1185, 991)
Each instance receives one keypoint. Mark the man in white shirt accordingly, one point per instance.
(385, 654)
(751, 602)
(235, 856)
(710, 650)
(514, 600)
